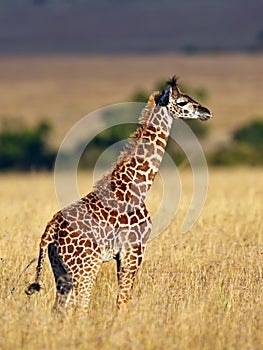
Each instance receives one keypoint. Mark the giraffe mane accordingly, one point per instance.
(133, 140)
(147, 110)
(124, 156)
(144, 121)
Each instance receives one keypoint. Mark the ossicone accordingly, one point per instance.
(172, 82)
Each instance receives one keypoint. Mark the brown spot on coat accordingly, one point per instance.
(123, 219)
(70, 248)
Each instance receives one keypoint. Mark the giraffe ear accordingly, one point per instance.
(163, 98)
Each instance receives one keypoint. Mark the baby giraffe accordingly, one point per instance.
(112, 222)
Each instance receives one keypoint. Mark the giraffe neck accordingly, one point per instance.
(135, 170)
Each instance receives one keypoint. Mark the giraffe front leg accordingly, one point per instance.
(128, 263)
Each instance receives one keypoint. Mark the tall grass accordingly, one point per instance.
(199, 290)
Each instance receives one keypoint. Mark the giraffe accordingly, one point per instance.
(112, 221)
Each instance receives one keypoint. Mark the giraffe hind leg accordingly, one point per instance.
(64, 282)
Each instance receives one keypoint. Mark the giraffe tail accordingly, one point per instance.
(32, 288)
(35, 286)
(46, 239)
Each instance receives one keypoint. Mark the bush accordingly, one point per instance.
(240, 153)
(23, 148)
(251, 134)
(246, 147)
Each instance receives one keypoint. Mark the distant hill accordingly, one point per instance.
(118, 26)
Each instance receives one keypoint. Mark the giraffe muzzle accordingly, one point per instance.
(205, 114)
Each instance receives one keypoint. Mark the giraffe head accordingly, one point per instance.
(181, 105)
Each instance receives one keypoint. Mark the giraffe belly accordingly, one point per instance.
(109, 251)
(108, 256)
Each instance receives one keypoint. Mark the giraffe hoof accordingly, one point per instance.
(32, 288)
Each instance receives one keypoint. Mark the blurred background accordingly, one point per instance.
(62, 59)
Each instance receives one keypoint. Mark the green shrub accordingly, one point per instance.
(23, 148)
(251, 134)
(246, 147)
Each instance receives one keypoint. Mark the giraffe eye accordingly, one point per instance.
(182, 103)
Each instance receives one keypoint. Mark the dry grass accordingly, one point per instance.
(199, 290)
(65, 88)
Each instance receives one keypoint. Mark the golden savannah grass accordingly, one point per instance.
(199, 290)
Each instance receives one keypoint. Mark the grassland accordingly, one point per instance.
(199, 290)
